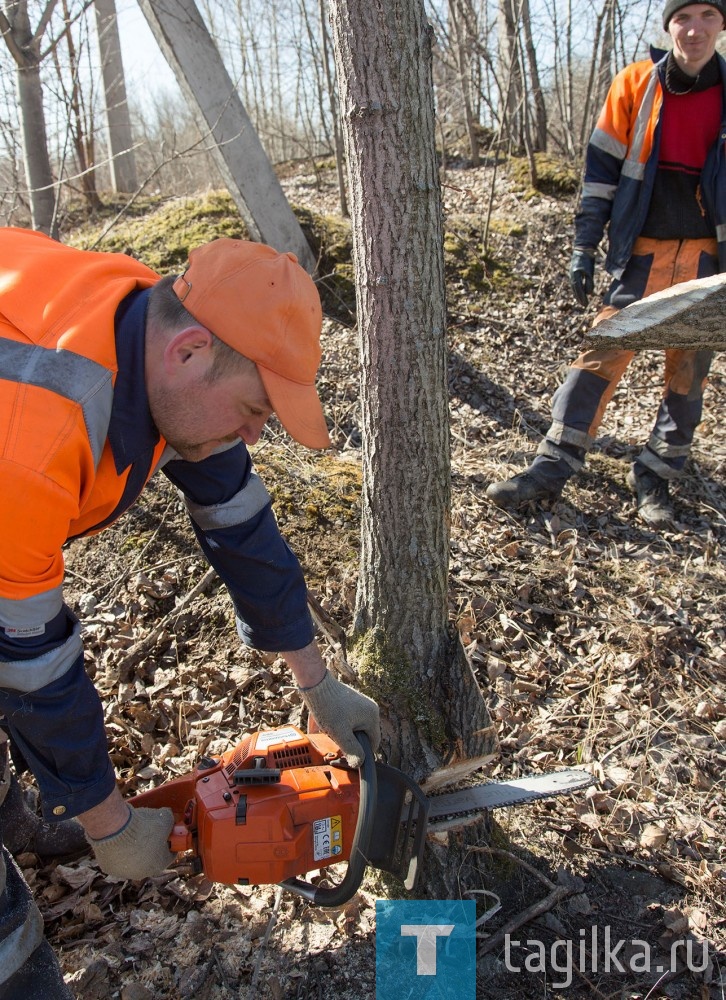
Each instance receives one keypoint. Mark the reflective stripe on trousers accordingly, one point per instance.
(579, 404)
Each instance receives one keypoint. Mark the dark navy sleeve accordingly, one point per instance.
(58, 729)
(232, 516)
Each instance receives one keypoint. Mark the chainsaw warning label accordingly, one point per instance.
(285, 735)
(327, 837)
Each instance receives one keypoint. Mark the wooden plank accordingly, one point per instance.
(246, 171)
(688, 316)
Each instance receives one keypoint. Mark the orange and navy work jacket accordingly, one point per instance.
(77, 446)
(621, 164)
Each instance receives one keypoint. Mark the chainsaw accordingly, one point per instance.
(283, 803)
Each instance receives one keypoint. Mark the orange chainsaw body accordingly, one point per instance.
(271, 808)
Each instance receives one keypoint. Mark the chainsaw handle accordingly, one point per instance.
(322, 895)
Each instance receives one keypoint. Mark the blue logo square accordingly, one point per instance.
(426, 949)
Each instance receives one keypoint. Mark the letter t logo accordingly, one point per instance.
(426, 944)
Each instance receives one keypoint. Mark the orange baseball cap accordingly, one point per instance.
(264, 305)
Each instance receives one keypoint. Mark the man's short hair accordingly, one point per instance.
(168, 313)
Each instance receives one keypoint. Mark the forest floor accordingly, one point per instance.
(598, 643)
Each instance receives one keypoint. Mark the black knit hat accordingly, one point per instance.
(674, 5)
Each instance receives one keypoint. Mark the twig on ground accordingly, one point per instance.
(140, 647)
(500, 853)
(335, 636)
(559, 893)
(252, 992)
(556, 893)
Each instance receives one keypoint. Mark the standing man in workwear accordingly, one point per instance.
(655, 176)
(108, 373)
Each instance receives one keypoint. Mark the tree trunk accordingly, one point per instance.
(24, 49)
(38, 171)
(569, 83)
(332, 94)
(81, 135)
(600, 75)
(462, 42)
(540, 109)
(123, 162)
(604, 70)
(510, 72)
(405, 654)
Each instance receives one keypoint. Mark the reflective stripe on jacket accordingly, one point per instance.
(57, 372)
(77, 445)
(63, 472)
(622, 159)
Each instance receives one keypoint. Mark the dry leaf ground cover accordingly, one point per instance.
(598, 642)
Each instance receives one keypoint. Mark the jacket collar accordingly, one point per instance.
(131, 433)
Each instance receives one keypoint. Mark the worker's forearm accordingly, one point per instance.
(106, 818)
(306, 665)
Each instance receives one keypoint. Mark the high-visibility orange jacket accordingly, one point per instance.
(622, 159)
(77, 446)
(58, 372)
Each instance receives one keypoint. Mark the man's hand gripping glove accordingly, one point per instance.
(340, 711)
(140, 849)
(582, 274)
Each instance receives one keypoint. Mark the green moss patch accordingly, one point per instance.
(467, 265)
(555, 176)
(316, 501)
(388, 676)
(330, 239)
(163, 237)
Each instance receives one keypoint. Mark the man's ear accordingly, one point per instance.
(189, 351)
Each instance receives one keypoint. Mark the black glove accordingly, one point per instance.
(582, 274)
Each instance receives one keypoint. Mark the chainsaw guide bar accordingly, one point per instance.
(502, 794)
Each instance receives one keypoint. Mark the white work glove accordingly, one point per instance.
(140, 849)
(340, 711)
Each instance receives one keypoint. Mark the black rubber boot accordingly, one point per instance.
(654, 503)
(24, 831)
(519, 490)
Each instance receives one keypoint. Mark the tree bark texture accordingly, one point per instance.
(388, 117)
(431, 703)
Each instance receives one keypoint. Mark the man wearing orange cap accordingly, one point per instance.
(108, 373)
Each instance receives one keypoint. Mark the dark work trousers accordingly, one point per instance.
(579, 404)
(28, 968)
